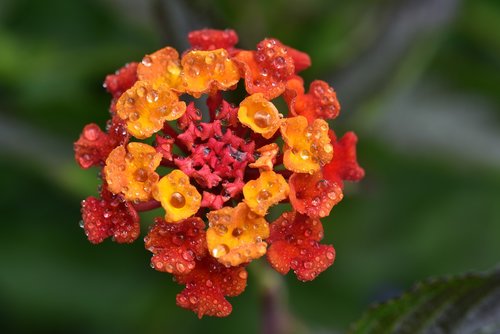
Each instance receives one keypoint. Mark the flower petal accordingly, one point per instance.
(312, 195)
(176, 246)
(260, 115)
(178, 197)
(208, 284)
(267, 69)
(267, 190)
(207, 71)
(307, 146)
(161, 67)
(294, 244)
(145, 108)
(131, 171)
(235, 235)
(109, 216)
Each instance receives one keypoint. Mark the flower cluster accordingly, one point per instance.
(217, 173)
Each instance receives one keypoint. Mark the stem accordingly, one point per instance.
(275, 316)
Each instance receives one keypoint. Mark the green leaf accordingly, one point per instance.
(461, 304)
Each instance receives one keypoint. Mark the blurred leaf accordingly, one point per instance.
(461, 304)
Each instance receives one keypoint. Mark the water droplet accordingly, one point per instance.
(307, 233)
(91, 133)
(243, 274)
(308, 265)
(141, 91)
(209, 59)
(262, 118)
(220, 250)
(237, 232)
(221, 229)
(304, 154)
(152, 96)
(177, 200)
(219, 67)
(332, 195)
(279, 62)
(209, 283)
(330, 255)
(141, 175)
(180, 267)
(134, 116)
(263, 195)
(81, 224)
(193, 300)
(188, 255)
(178, 239)
(147, 61)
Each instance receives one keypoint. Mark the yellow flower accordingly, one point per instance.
(131, 171)
(260, 115)
(267, 190)
(178, 197)
(145, 107)
(307, 147)
(235, 235)
(206, 71)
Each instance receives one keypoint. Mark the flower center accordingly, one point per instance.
(177, 200)
(262, 119)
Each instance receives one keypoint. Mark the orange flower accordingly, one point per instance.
(131, 171)
(206, 71)
(235, 235)
(145, 107)
(162, 66)
(260, 115)
(178, 197)
(307, 147)
(269, 189)
(267, 157)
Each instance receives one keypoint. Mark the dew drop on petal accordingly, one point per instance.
(177, 200)
(220, 250)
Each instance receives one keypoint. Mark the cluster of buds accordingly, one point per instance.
(217, 175)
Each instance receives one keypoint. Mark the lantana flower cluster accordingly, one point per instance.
(216, 167)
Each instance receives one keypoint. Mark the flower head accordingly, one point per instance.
(216, 177)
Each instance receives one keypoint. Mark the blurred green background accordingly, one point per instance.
(419, 82)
